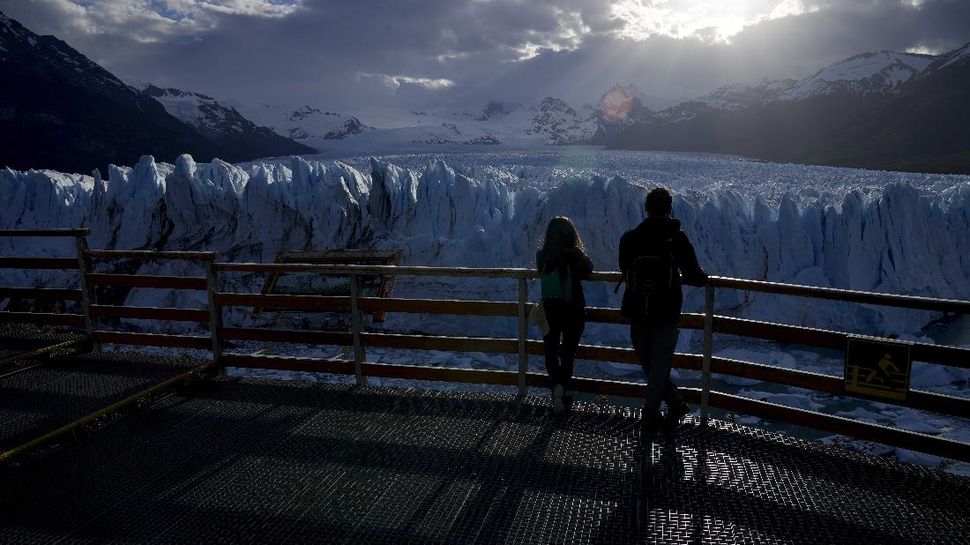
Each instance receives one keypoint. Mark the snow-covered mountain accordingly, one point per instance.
(728, 98)
(880, 73)
(886, 110)
(559, 123)
(306, 124)
(223, 124)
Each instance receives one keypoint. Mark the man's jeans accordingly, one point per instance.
(655, 350)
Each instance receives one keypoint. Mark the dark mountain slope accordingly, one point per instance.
(923, 128)
(778, 131)
(882, 117)
(59, 110)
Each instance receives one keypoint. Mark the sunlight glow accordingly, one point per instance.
(395, 81)
(709, 20)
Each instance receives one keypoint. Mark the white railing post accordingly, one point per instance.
(708, 348)
(523, 335)
(357, 326)
(215, 316)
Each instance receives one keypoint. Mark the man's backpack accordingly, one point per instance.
(653, 278)
(555, 286)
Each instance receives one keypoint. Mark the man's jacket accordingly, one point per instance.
(659, 237)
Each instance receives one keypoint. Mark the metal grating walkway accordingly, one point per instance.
(269, 462)
(19, 338)
(41, 395)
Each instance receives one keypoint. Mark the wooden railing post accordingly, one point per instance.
(523, 335)
(215, 317)
(708, 348)
(357, 327)
(88, 294)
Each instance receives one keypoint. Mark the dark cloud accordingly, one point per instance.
(361, 54)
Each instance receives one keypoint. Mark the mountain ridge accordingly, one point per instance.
(882, 110)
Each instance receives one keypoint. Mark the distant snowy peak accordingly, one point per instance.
(736, 97)
(306, 124)
(729, 98)
(879, 73)
(222, 123)
(200, 111)
(560, 123)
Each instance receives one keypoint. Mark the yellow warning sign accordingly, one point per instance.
(877, 367)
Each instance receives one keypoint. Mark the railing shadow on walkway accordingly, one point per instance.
(238, 461)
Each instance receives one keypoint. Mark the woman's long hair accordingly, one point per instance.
(561, 235)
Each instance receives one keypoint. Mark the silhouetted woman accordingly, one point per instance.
(562, 263)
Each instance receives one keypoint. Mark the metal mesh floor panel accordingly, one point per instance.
(267, 462)
(19, 338)
(43, 398)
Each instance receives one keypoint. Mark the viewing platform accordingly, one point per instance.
(252, 461)
(111, 444)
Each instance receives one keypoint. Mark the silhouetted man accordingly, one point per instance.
(655, 258)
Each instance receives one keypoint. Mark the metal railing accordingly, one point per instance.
(45, 294)
(521, 345)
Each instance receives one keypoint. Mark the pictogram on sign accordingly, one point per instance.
(877, 367)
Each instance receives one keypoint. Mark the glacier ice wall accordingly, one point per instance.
(902, 239)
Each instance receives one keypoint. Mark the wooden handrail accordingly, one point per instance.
(151, 339)
(152, 254)
(872, 298)
(38, 263)
(822, 338)
(55, 232)
(150, 313)
(905, 301)
(921, 442)
(148, 281)
(438, 306)
(297, 336)
(399, 270)
(284, 301)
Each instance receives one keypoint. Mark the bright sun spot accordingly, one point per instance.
(710, 20)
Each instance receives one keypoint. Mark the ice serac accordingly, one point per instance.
(901, 237)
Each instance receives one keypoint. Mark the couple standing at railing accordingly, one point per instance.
(655, 257)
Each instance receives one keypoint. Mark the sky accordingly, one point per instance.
(359, 55)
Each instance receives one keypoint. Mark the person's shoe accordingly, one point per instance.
(567, 401)
(675, 413)
(558, 406)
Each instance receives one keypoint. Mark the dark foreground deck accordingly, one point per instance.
(43, 393)
(245, 461)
